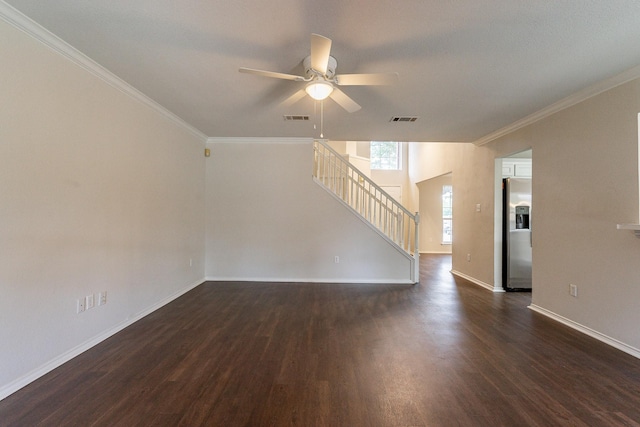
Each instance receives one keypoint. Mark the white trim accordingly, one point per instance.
(17, 384)
(22, 22)
(633, 227)
(434, 253)
(567, 102)
(310, 281)
(588, 331)
(497, 223)
(258, 140)
(477, 282)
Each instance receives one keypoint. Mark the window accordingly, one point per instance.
(447, 214)
(385, 155)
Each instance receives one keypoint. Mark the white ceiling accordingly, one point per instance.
(467, 68)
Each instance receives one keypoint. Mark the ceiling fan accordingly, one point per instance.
(321, 78)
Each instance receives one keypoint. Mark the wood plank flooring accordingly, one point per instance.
(441, 353)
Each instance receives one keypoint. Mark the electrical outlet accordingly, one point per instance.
(190, 262)
(80, 306)
(102, 298)
(90, 301)
(468, 257)
(573, 290)
(478, 207)
(336, 259)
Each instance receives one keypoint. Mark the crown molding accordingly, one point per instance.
(259, 140)
(22, 22)
(565, 103)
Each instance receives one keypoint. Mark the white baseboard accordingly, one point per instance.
(316, 280)
(588, 331)
(477, 282)
(17, 384)
(435, 253)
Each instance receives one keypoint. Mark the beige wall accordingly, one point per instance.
(98, 192)
(430, 194)
(400, 178)
(585, 181)
(268, 220)
(585, 169)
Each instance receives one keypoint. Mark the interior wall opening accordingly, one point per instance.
(514, 223)
(437, 231)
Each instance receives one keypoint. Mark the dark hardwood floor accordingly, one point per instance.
(441, 353)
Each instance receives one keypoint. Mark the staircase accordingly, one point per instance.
(370, 202)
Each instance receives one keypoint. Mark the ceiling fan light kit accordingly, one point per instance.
(319, 89)
(321, 78)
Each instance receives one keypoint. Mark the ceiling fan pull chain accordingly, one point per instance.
(315, 115)
(321, 119)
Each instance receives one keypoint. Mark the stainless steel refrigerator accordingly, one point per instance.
(516, 234)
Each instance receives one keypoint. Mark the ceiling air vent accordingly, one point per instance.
(403, 119)
(296, 118)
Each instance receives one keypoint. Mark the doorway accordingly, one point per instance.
(513, 239)
(435, 197)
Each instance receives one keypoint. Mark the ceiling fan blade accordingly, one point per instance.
(271, 74)
(375, 79)
(293, 98)
(344, 101)
(320, 51)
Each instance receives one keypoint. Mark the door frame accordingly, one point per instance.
(497, 220)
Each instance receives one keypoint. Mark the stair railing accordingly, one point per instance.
(356, 190)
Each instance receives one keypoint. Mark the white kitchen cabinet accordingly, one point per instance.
(516, 168)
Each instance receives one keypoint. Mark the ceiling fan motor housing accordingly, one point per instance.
(331, 67)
